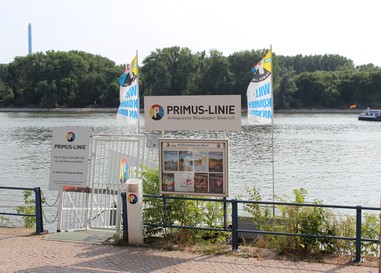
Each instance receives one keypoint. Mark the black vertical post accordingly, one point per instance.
(38, 206)
(225, 214)
(165, 211)
(124, 216)
(234, 225)
(358, 234)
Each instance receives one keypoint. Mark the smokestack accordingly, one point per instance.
(30, 39)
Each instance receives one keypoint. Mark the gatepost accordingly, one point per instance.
(134, 196)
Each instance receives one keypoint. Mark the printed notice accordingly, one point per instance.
(69, 157)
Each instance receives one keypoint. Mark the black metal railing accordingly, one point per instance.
(38, 207)
(235, 230)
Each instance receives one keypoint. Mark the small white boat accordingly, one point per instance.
(370, 114)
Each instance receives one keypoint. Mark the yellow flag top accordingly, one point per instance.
(134, 66)
(267, 62)
(262, 69)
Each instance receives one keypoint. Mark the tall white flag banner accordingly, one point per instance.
(260, 110)
(128, 112)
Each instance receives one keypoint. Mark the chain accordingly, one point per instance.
(44, 200)
(46, 219)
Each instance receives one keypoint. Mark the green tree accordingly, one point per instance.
(217, 78)
(49, 94)
(79, 79)
(156, 75)
(170, 71)
(284, 96)
(317, 89)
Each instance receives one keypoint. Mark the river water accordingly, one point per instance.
(335, 157)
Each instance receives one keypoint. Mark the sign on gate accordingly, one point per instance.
(197, 167)
(69, 157)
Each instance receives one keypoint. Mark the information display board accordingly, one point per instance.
(194, 167)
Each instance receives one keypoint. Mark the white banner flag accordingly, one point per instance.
(260, 110)
(128, 112)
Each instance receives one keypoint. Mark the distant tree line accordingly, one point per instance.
(79, 79)
(59, 79)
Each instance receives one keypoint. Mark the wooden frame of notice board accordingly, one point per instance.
(194, 167)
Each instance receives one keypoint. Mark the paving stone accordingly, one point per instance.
(23, 252)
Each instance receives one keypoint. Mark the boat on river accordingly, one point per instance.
(370, 114)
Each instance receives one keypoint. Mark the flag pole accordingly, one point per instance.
(137, 63)
(272, 128)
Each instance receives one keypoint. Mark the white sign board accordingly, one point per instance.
(192, 112)
(69, 157)
(194, 167)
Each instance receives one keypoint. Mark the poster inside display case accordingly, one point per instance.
(194, 167)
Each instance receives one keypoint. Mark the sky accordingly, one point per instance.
(117, 29)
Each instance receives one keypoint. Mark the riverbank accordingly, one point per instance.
(114, 110)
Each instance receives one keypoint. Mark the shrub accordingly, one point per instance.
(309, 220)
(29, 208)
(280, 218)
(178, 212)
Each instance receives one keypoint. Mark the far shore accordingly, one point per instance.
(114, 110)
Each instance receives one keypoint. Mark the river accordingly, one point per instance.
(335, 157)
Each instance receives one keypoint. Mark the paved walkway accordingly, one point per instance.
(22, 252)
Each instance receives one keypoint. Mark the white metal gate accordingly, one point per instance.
(113, 160)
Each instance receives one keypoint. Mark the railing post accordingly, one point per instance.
(87, 217)
(60, 208)
(358, 234)
(379, 240)
(165, 211)
(225, 214)
(234, 225)
(124, 216)
(39, 220)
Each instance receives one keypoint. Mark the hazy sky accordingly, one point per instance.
(116, 29)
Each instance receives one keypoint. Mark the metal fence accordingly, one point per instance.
(234, 229)
(38, 206)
